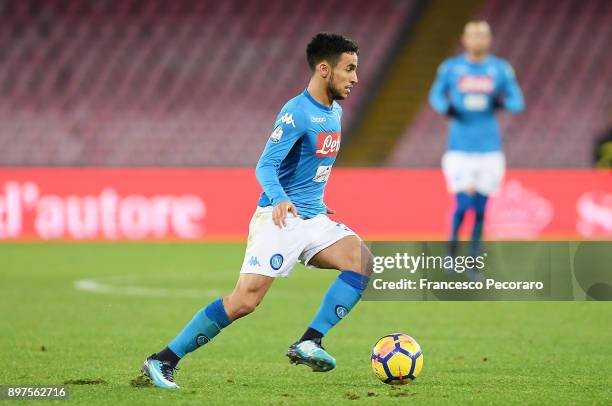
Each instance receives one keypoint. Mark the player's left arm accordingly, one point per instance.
(438, 97)
(512, 100)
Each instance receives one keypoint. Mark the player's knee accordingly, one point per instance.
(239, 305)
(367, 262)
(241, 310)
(352, 261)
(245, 308)
(361, 260)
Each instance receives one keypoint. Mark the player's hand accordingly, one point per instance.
(330, 211)
(498, 103)
(279, 213)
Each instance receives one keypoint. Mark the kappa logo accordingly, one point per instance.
(317, 119)
(328, 144)
(254, 261)
(288, 119)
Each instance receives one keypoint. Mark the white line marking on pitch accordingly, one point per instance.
(92, 285)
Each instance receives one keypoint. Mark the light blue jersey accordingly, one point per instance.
(471, 90)
(298, 157)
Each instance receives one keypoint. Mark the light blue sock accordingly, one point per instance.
(205, 325)
(340, 298)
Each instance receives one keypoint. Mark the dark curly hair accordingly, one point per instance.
(327, 46)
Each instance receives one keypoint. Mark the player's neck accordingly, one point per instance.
(476, 57)
(320, 94)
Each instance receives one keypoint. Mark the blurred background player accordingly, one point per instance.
(468, 89)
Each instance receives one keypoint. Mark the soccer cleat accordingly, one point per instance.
(311, 353)
(161, 373)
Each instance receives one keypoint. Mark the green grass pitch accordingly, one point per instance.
(477, 353)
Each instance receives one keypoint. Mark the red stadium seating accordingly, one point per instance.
(560, 50)
(138, 83)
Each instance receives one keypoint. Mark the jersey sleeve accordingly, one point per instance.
(513, 96)
(288, 129)
(438, 95)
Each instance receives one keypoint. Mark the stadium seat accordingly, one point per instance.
(139, 83)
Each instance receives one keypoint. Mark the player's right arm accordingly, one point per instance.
(288, 129)
(438, 95)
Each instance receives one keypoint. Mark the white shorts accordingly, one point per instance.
(482, 172)
(273, 251)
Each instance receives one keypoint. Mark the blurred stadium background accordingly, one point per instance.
(196, 84)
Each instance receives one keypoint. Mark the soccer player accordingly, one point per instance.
(468, 89)
(290, 223)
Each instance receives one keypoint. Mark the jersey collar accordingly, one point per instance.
(316, 103)
(481, 63)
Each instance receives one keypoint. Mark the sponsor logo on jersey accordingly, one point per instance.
(328, 144)
(475, 102)
(276, 134)
(322, 174)
(288, 119)
(476, 84)
(276, 261)
(317, 119)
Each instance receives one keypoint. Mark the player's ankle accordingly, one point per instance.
(311, 334)
(167, 355)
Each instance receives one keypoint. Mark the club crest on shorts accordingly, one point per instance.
(341, 311)
(276, 261)
(201, 339)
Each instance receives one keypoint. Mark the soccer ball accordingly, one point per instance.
(397, 359)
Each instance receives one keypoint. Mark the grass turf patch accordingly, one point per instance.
(482, 353)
